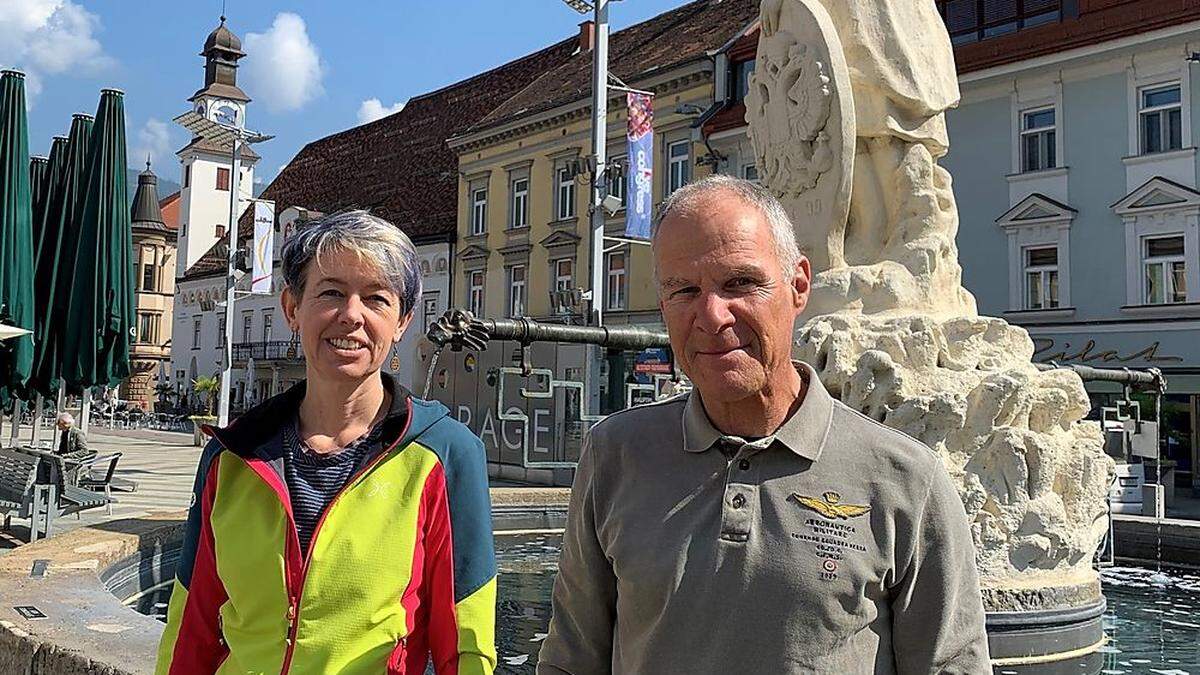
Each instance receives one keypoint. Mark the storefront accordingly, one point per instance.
(1172, 346)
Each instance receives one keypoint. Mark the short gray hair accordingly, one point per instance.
(374, 240)
(66, 417)
(685, 200)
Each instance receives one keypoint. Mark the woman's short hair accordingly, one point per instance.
(374, 240)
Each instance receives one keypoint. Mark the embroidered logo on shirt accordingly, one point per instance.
(830, 505)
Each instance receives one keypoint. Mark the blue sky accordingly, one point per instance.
(310, 67)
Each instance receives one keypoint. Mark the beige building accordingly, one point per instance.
(154, 284)
(523, 202)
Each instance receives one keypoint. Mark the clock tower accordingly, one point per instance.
(205, 166)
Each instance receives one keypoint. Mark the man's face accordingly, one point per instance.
(728, 303)
(63, 425)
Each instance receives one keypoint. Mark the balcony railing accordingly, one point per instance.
(275, 350)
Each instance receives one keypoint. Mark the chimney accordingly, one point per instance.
(587, 36)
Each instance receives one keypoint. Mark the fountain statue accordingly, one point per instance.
(846, 114)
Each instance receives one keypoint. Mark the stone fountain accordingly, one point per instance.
(847, 117)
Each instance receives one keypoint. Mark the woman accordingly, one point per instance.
(344, 525)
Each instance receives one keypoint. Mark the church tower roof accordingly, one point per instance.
(222, 50)
(146, 213)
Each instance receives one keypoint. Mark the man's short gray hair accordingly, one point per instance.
(374, 240)
(685, 201)
(67, 417)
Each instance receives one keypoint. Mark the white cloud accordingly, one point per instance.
(49, 37)
(153, 139)
(282, 66)
(373, 109)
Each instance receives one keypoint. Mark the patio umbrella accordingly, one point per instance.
(8, 332)
(39, 177)
(100, 310)
(51, 204)
(55, 267)
(16, 236)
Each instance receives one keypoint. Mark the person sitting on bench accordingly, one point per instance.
(72, 445)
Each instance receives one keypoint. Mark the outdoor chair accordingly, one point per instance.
(19, 492)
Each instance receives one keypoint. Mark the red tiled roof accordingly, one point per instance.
(400, 167)
(670, 39)
(169, 206)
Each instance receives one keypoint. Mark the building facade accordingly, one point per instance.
(524, 189)
(1075, 167)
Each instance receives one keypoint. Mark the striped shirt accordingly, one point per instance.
(314, 479)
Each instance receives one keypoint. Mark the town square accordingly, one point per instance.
(600, 336)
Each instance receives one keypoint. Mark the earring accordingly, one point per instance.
(395, 357)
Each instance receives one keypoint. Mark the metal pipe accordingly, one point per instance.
(527, 331)
(1150, 377)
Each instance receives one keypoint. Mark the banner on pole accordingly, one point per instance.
(639, 184)
(264, 247)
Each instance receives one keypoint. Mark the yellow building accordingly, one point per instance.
(523, 221)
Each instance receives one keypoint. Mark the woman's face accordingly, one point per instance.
(348, 317)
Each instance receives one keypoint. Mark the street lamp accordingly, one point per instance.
(226, 132)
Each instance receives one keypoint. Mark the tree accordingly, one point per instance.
(208, 388)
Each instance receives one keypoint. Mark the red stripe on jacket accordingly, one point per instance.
(200, 648)
(429, 600)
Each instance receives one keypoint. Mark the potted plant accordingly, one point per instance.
(207, 388)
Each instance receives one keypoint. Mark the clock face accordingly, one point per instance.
(225, 114)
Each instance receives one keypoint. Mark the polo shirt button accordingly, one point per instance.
(739, 501)
(744, 465)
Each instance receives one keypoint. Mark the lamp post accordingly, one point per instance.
(222, 133)
(599, 186)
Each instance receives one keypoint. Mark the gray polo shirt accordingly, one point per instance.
(837, 545)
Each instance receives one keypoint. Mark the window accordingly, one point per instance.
(750, 172)
(741, 79)
(516, 290)
(187, 175)
(564, 280)
(430, 300)
(679, 165)
(223, 179)
(617, 169)
(1160, 118)
(1041, 277)
(147, 328)
(1038, 146)
(973, 20)
(519, 211)
(616, 287)
(196, 333)
(475, 293)
(219, 229)
(247, 326)
(149, 276)
(1166, 278)
(221, 330)
(565, 191)
(479, 210)
(267, 320)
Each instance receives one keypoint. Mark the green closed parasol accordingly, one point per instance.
(16, 237)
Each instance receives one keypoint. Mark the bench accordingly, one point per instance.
(20, 493)
(58, 492)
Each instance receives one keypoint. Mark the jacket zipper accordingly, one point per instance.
(293, 614)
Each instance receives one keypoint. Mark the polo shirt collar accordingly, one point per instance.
(803, 433)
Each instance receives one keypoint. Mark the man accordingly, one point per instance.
(756, 525)
(72, 444)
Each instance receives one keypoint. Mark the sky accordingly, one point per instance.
(313, 67)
